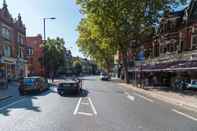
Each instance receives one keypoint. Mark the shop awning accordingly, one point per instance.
(171, 66)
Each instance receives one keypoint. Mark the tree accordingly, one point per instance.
(77, 67)
(53, 55)
(115, 23)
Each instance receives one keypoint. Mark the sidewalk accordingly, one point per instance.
(187, 99)
(11, 91)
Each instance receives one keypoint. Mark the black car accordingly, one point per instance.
(69, 86)
(32, 84)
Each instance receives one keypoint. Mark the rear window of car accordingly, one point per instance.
(194, 82)
(29, 81)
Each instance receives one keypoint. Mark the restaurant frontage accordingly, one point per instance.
(164, 74)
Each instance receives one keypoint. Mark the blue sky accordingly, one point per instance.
(66, 12)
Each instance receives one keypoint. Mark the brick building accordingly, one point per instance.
(12, 37)
(34, 54)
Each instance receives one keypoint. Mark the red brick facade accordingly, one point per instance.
(35, 59)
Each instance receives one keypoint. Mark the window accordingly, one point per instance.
(20, 39)
(7, 51)
(194, 42)
(6, 33)
(30, 52)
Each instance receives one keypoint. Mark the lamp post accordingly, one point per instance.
(44, 23)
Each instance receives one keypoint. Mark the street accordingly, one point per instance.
(103, 106)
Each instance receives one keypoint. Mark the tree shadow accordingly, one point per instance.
(24, 103)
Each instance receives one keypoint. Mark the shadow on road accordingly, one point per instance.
(24, 103)
(83, 93)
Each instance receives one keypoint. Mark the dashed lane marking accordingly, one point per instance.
(185, 115)
(145, 98)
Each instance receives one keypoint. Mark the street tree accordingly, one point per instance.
(53, 55)
(121, 24)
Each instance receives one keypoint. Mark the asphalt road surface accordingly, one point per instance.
(103, 106)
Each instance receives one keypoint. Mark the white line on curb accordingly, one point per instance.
(84, 113)
(185, 115)
(132, 98)
(150, 100)
(93, 107)
(9, 105)
(77, 107)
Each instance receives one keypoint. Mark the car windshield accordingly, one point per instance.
(29, 81)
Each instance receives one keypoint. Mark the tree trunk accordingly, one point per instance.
(125, 67)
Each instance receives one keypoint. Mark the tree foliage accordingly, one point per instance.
(111, 25)
(53, 55)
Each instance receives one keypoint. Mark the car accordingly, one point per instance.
(192, 84)
(179, 84)
(105, 77)
(69, 86)
(32, 84)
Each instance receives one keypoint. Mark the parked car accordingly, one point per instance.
(69, 86)
(180, 84)
(192, 84)
(32, 84)
(105, 77)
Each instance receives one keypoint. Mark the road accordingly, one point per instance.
(103, 106)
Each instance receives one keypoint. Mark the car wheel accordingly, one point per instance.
(61, 93)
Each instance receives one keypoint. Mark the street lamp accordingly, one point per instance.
(44, 20)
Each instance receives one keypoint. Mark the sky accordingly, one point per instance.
(33, 11)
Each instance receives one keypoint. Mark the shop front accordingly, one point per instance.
(7, 68)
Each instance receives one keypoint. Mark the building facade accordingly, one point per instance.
(34, 54)
(172, 54)
(12, 38)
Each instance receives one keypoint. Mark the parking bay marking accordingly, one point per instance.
(185, 115)
(84, 113)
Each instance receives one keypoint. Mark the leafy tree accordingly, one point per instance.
(77, 67)
(118, 24)
(53, 55)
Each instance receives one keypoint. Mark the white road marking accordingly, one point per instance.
(132, 98)
(185, 115)
(9, 105)
(83, 103)
(85, 114)
(77, 107)
(93, 107)
(145, 98)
